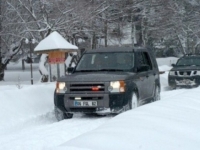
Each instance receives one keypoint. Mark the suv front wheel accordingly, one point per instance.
(60, 115)
(133, 103)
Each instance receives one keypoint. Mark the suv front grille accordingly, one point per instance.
(185, 73)
(86, 87)
(88, 98)
(84, 110)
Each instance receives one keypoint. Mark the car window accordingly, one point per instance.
(144, 59)
(188, 61)
(147, 60)
(103, 61)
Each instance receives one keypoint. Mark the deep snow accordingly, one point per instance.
(27, 121)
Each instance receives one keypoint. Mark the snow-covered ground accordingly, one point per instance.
(27, 121)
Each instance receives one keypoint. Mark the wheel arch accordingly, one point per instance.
(157, 83)
(132, 88)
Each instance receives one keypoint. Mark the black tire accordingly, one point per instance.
(156, 94)
(60, 115)
(133, 102)
(174, 88)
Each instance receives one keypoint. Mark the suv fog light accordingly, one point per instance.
(110, 88)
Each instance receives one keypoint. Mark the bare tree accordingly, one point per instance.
(169, 23)
(1, 65)
(33, 19)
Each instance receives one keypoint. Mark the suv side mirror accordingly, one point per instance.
(173, 65)
(143, 68)
(70, 69)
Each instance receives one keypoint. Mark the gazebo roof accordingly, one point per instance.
(54, 42)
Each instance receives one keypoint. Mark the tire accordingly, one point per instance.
(60, 115)
(156, 94)
(173, 88)
(133, 103)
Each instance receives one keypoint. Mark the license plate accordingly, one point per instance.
(185, 82)
(85, 103)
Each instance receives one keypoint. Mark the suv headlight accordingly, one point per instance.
(197, 72)
(172, 73)
(61, 87)
(117, 86)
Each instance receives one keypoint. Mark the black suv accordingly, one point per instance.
(186, 72)
(108, 80)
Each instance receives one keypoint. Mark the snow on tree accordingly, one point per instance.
(170, 23)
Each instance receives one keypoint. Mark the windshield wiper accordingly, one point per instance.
(109, 70)
(84, 70)
(96, 70)
(182, 65)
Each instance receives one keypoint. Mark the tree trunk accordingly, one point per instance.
(182, 48)
(1, 72)
(94, 40)
(132, 31)
(1, 65)
(106, 32)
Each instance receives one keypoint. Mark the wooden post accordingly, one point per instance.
(23, 66)
(58, 71)
(50, 74)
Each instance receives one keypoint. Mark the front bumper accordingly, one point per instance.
(106, 102)
(177, 81)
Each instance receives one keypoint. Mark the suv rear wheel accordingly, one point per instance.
(60, 115)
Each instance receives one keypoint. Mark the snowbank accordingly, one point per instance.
(170, 124)
(18, 105)
(28, 123)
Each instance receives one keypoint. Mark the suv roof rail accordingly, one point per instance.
(198, 54)
(190, 54)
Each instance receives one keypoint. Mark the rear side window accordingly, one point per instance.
(144, 59)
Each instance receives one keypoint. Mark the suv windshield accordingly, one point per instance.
(189, 61)
(118, 61)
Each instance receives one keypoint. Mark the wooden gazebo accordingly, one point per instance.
(56, 47)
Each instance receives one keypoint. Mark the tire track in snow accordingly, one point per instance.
(44, 132)
(44, 119)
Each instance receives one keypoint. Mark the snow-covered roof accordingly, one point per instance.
(54, 42)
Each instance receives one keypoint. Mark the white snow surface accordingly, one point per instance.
(27, 119)
(54, 42)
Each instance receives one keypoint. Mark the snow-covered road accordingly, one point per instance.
(27, 120)
(44, 131)
(38, 129)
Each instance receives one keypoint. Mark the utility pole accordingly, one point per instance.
(30, 42)
(31, 62)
